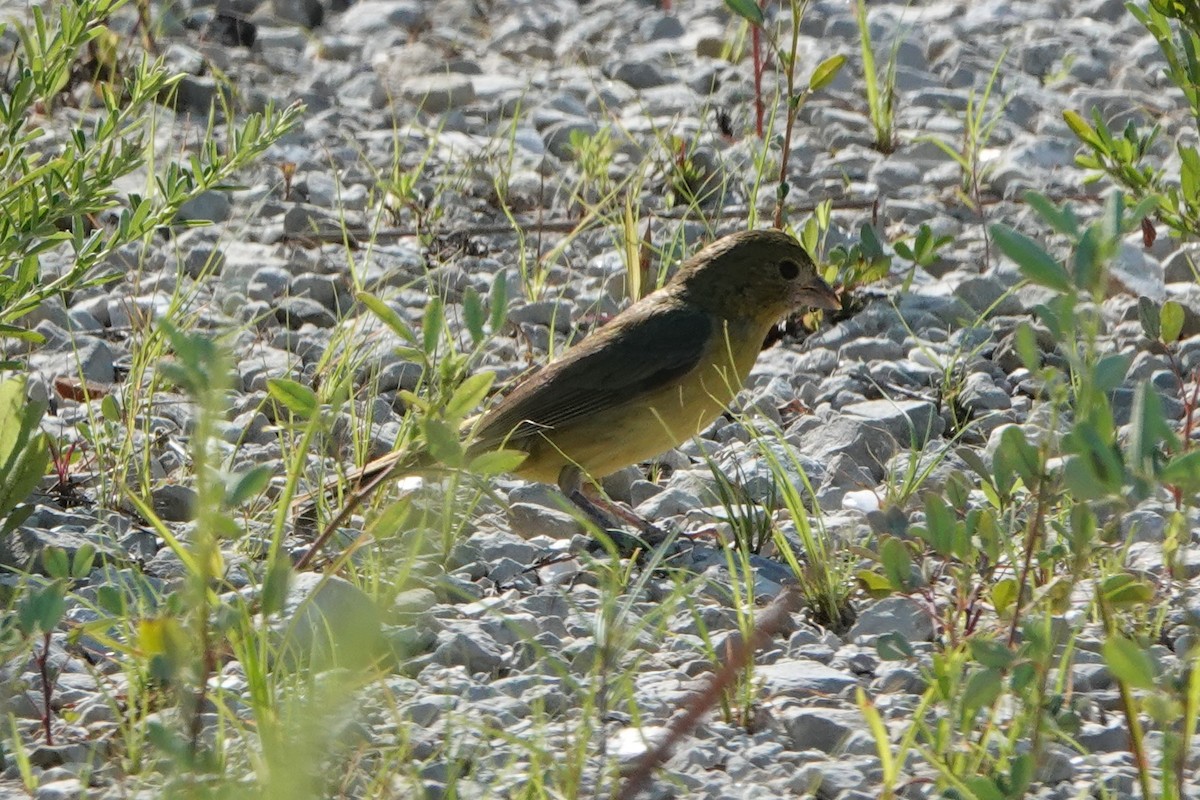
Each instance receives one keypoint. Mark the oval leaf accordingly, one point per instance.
(982, 689)
(747, 10)
(496, 462)
(1128, 661)
(473, 314)
(1183, 471)
(469, 394)
(897, 563)
(443, 443)
(1171, 319)
(1035, 263)
(294, 396)
(825, 72)
(1125, 589)
(1150, 317)
(1080, 128)
(499, 300)
(432, 324)
(1004, 594)
(991, 653)
(388, 316)
(247, 485)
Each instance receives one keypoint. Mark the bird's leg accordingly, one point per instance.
(608, 516)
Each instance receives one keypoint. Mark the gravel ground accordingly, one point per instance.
(462, 87)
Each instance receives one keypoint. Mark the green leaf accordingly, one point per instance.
(81, 564)
(894, 647)
(868, 238)
(432, 324)
(1015, 456)
(443, 442)
(810, 235)
(1004, 594)
(897, 563)
(1110, 371)
(1080, 128)
(388, 316)
(1083, 529)
(1125, 589)
(1149, 429)
(41, 610)
(1082, 478)
(496, 462)
(1128, 661)
(247, 485)
(982, 689)
(473, 314)
(1189, 173)
(110, 600)
(275, 584)
(469, 394)
(1021, 773)
(110, 409)
(1149, 316)
(1183, 471)
(984, 788)
(1027, 347)
(986, 530)
(747, 10)
(991, 653)
(873, 583)
(825, 72)
(20, 334)
(498, 300)
(294, 396)
(24, 450)
(1088, 260)
(55, 562)
(1061, 220)
(1023, 676)
(1171, 316)
(1035, 263)
(939, 525)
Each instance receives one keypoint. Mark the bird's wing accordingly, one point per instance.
(621, 363)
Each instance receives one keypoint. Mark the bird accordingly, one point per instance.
(654, 376)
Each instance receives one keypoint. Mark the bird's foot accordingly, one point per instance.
(649, 537)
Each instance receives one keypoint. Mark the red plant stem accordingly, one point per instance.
(768, 624)
(759, 108)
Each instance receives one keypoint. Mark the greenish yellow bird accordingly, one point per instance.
(658, 373)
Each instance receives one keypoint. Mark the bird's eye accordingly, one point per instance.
(789, 269)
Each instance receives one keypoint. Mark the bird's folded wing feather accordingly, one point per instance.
(611, 368)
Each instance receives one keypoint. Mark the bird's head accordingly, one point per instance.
(754, 274)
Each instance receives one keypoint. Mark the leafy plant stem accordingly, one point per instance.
(759, 66)
(793, 108)
(1032, 535)
(1191, 711)
(1137, 743)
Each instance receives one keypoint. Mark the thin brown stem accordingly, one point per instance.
(1031, 539)
(769, 623)
(793, 109)
(47, 688)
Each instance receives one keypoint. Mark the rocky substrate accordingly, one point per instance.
(485, 106)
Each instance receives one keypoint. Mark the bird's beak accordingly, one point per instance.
(817, 294)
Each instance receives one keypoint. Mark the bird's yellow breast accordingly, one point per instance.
(653, 423)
